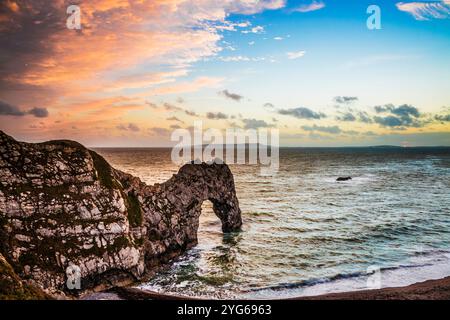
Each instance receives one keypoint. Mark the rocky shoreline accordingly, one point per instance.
(69, 222)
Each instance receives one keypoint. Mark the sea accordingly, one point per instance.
(304, 233)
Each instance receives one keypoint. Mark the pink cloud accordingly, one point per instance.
(426, 10)
(313, 6)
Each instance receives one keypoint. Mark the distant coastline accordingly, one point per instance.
(297, 147)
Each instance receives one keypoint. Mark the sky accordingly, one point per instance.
(137, 70)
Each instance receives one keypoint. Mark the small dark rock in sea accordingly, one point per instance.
(344, 178)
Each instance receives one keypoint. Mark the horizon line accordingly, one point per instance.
(289, 147)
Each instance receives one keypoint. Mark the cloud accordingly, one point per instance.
(121, 47)
(381, 109)
(174, 119)
(348, 117)
(278, 38)
(131, 127)
(426, 10)
(38, 112)
(255, 124)
(7, 109)
(180, 100)
(171, 107)
(345, 99)
(389, 121)
(442, 117)
(268, 105)
(190, 113)
(234, 58)
(232, 96)
(231, 26)
(396, 117)
(330, 129)
(296, 54)
(257, 29)
(188, 86)
(351, 132)
(252, 6)
(88, 111)
(151, 104)
(144, 80)
(161, 132)
(402, 111)
(144, 31)
(117, 41)
(216, 116)
(313, 6)
(241, 58)
(364, 117)
(302, 113)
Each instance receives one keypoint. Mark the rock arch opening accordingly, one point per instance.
(210, 226)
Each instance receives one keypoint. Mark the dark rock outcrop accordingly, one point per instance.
(344, 179)
(63, 207)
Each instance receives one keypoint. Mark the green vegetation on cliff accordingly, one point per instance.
(134, 210)
(12, 288)
(106, 178)
(103, 170)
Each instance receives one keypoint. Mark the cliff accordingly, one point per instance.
(70, 222)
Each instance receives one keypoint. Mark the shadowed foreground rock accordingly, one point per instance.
(63, 205)
(14, 288)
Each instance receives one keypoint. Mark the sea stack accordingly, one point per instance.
(64, 212)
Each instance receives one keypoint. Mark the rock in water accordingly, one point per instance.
(66, 214)
(344, 178)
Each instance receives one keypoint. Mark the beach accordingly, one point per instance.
(428, 290)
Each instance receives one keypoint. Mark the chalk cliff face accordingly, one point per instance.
(64, 210)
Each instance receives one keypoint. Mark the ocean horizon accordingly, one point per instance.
(292, 147)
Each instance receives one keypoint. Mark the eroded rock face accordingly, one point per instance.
(63, 205)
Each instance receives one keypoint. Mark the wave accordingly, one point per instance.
(430, 265)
